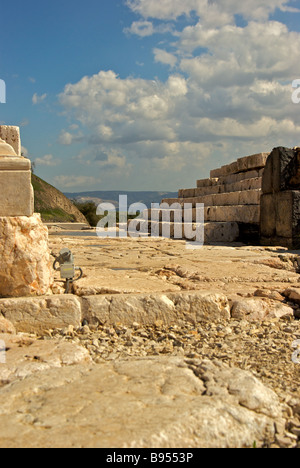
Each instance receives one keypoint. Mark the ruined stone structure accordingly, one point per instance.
(280, 202)
(231, 198)
(25, 267)
(255, 199)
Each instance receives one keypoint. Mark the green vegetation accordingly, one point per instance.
(88, 209)
(53, 206)
(37, 184)
(56, 215)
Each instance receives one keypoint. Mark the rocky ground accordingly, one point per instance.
(221, 383)
(265, 349)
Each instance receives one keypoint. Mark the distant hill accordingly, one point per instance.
(53, 205)
(113, 197)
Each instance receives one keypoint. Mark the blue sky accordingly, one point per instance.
(148, 94)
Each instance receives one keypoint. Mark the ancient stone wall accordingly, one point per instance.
(231, 198)
(25, 265)
(280, 202)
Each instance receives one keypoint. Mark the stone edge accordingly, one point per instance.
(38, 314)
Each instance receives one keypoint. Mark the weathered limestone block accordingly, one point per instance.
(16, 196)
(186, 193)
(280, 217)
(146, 309)
(212, 190)
(167, 229)
(170, 201)
(152, 402)
(268, 215)
(37, 314)
(207, 182)
(259, 309)
(239, 213)
(25, 265)
(221, 232)
(6, 326)
(282, 171)
(249, 197)
(11, 135)
(210, 231)
(230, 179)
(246, 184)
(248, 214)
(253, 183)
(256, 161)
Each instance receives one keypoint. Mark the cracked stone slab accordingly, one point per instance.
(146, 402)
(25, 356)
(33, 315)
(146, 309)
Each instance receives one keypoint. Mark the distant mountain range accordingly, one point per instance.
(113, 197)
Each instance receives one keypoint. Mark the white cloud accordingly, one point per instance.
(69, 181)
(47, 160)
(162, 56)
(172, 9)
(127, 110)
(38, 99)
(240, 55)
(147, 28)
(230, 95)
(65, 138)
(141, 28)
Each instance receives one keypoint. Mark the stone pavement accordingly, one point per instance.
(55, 397)
(168, 359)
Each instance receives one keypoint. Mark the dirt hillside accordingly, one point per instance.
(53, 205)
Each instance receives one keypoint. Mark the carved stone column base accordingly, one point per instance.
(25, 263)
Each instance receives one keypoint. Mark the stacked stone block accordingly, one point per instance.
(231, 198)
(25, 263)
(280, 202)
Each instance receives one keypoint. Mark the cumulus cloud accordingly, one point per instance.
(69, 181)
(144, 28)
(125, 110)
(47, 160)
(38, 99)
(228, 92)
(162, 56)
(173, 9)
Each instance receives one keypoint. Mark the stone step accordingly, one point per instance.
(246, 184)
(38, 314)
(230, 179)
(208, 232)
(248, 214)
(255, 161)
(177, 216)
(244, 197)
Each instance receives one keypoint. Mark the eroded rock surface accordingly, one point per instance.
(150, 402)
(25, 267)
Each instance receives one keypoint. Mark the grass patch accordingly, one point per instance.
(56, 215)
